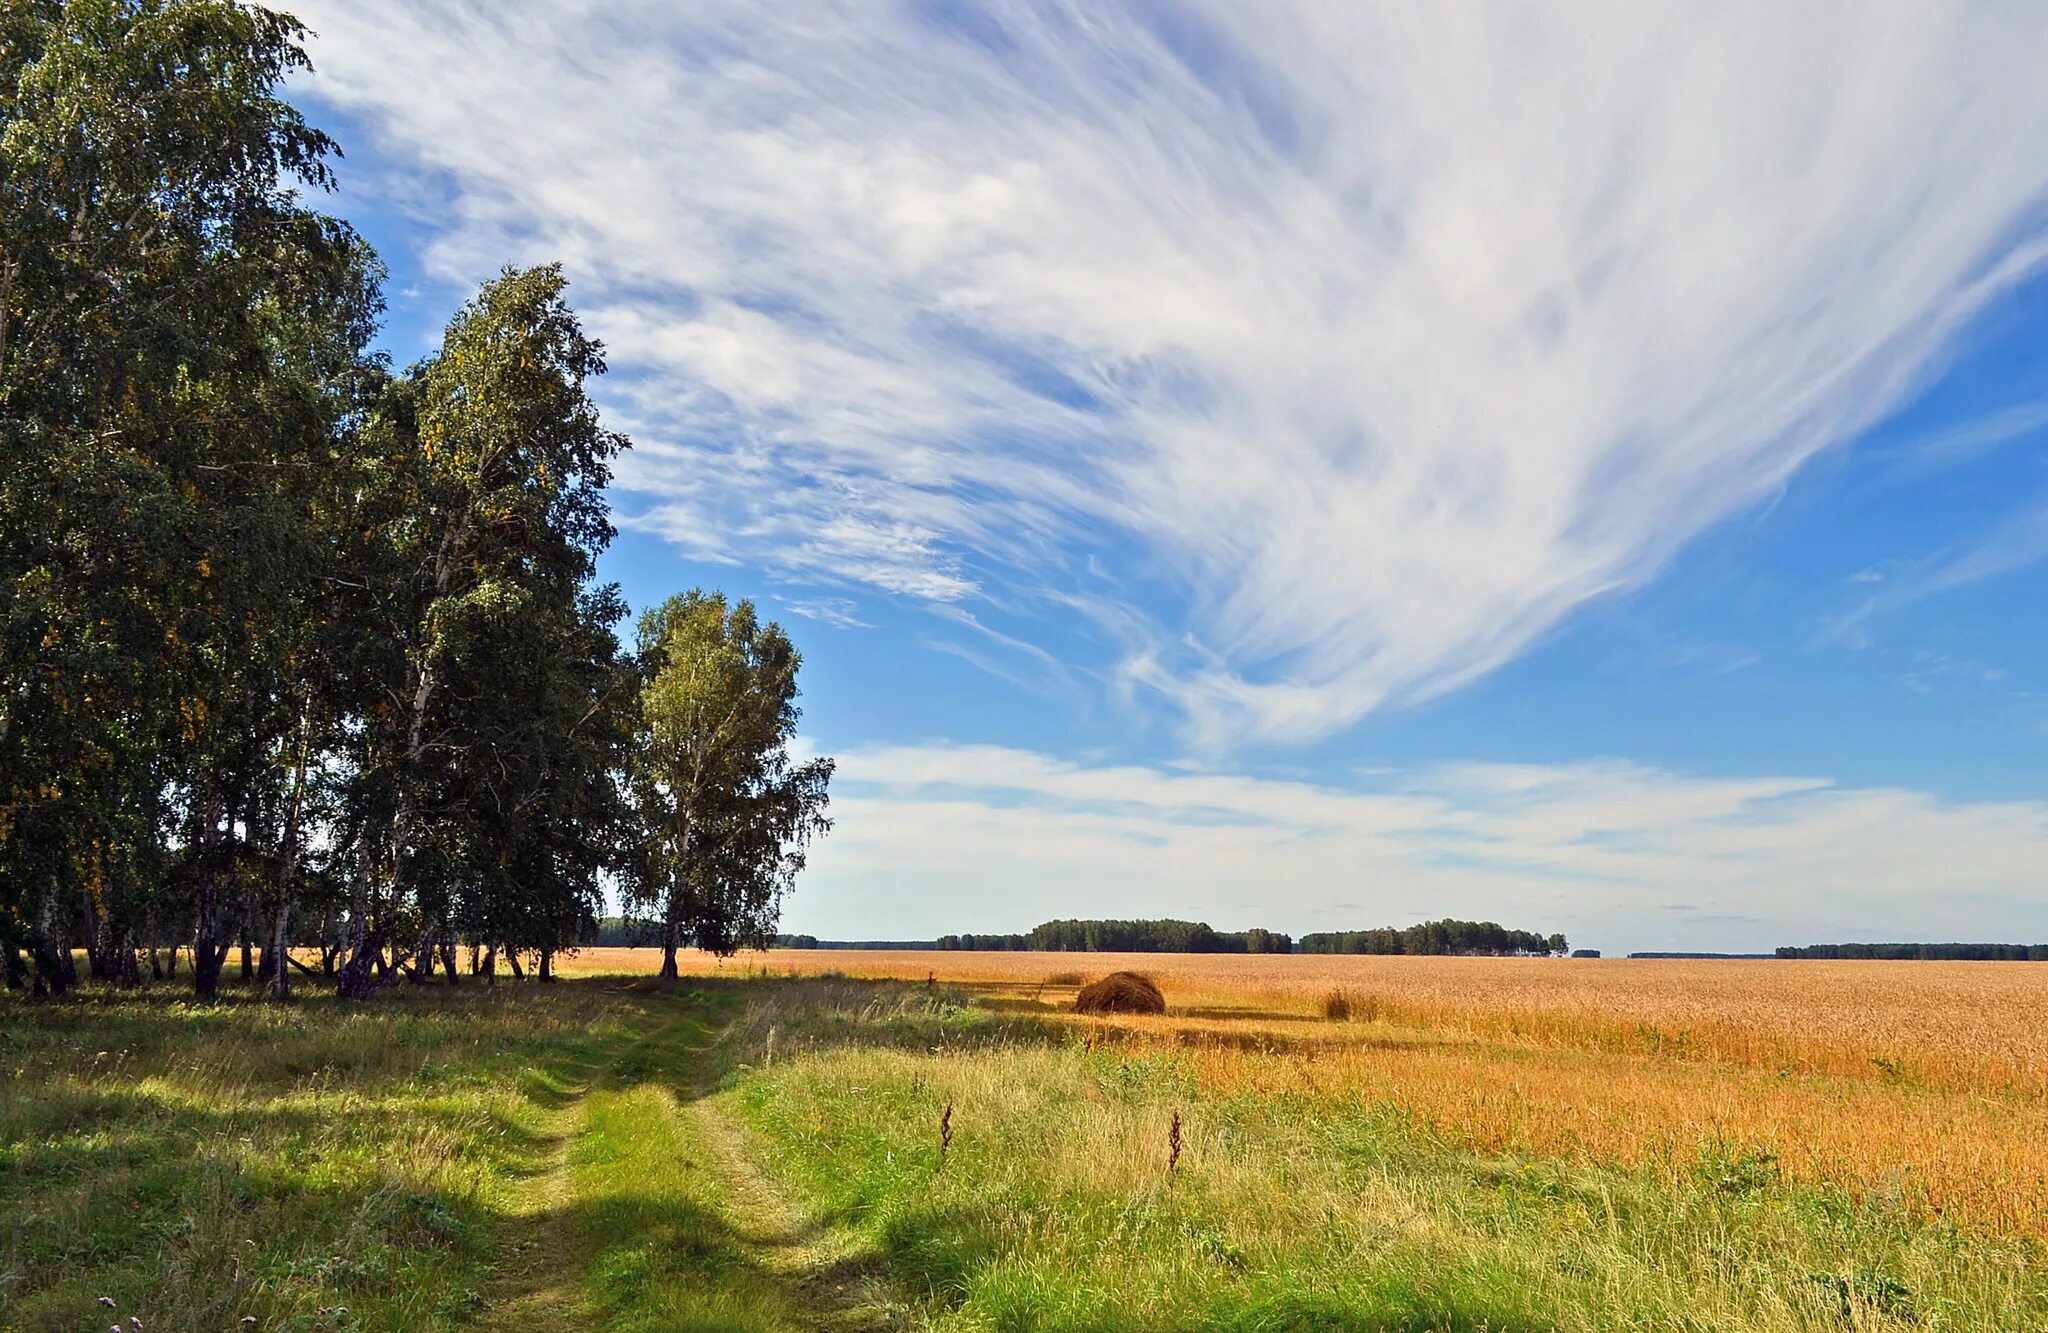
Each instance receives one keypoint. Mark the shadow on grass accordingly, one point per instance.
(196, 1163)
(202, 1163)
(658, 1262)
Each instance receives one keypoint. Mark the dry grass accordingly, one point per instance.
(1974, 1026)
(1061, 1204)
(1927, 1082)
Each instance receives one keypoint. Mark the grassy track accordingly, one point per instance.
(765, 1154)
(547, 1159)
(656, 1215)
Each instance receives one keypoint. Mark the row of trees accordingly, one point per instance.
(1447, 936)
(1976, 953)
(1108, 936)
(296, 649)
(1169, 936)
(813, 942)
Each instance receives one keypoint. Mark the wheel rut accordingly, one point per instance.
(827, 1280)
(778, 1268)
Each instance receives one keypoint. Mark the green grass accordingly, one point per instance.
(765, 1155)
(1055, 1207)
(322, 1167)
(198, 1164)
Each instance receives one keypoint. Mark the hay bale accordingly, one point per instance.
(1120, 993)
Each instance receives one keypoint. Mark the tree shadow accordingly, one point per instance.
(195, 1210)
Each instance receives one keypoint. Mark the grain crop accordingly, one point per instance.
(1923, 1081)
(1969, 1026)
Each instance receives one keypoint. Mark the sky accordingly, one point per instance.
(1308, 465)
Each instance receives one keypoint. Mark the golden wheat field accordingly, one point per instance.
(1925, 1081)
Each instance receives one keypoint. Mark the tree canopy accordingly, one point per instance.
(726, 808)
(1448, 936)
(1164, 935)
(296, 650)
(1973, 953)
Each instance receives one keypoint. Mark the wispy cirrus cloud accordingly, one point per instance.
(2016, 541)
(1915, 458)
(1615, 854)
(1325, 356)
(838, 612)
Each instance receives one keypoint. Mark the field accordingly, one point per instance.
(1929, 1080)
(932, 1140)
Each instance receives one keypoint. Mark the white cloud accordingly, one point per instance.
(838, 612)
(1354, 345)
(1957, 445)
(2015, 542)
(939, 838)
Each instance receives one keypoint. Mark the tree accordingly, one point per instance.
(723, 809)
(547, 814)
(176, 331)
(292, 648)
(492, 517)
(1448, 936)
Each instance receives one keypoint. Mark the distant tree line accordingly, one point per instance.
(296, 649)
(1979, 953)
(629, 932)
(1172, 936)
(990, 943)
(1447, 936)
(813, 942)
(1110, 936)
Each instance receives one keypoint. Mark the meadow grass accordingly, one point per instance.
(1966, 1026)
(413, 1163)
(1055, 1207)
(201, 1163)
(756, 1152)
(1917, 1081)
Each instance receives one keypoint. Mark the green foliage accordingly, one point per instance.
(293, 650)
(180, 338)
(1974, 953)
(1104, 936)
(481, 777)
(1447, 936)
(727, 811)
(1163, 936)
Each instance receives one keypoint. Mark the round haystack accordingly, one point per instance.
(1120, 993)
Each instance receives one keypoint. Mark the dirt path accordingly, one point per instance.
(660, 1172)
(540, 1278)
(829, 1282)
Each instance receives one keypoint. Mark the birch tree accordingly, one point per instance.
(499, 462)
(724, 811)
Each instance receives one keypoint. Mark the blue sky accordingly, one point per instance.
(1320, 471)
